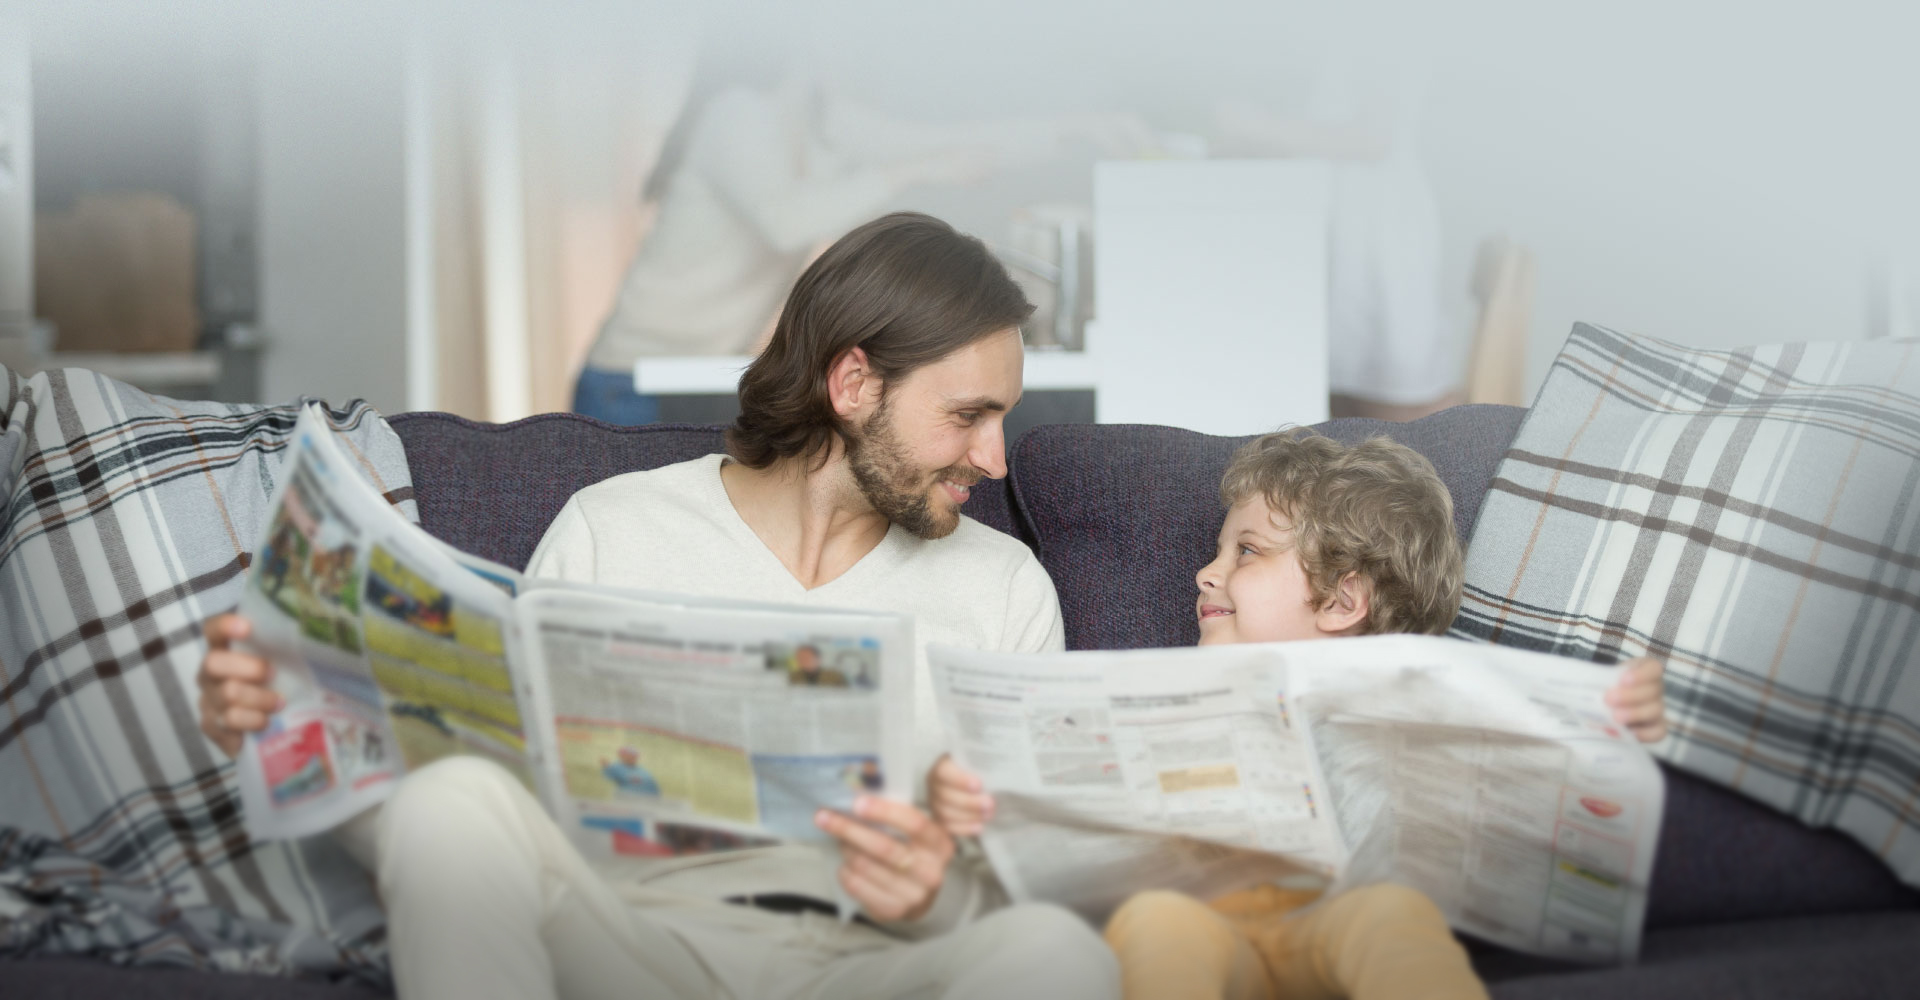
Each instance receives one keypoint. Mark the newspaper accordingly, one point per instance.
(1491, 779)
(649, 724)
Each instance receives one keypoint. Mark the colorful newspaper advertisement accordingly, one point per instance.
(648, 723)
(1491, 779)
(683, 728)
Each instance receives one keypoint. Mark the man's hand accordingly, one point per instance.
(893, 877)
(960, 803)
(234, 697)
(1638, 699)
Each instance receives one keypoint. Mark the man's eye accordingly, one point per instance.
(968, 416)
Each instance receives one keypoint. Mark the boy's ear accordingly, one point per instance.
(850, 382)
(1346, 611)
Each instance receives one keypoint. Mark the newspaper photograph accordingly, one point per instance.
(682, 728)
(665, 724)
(1491, 779)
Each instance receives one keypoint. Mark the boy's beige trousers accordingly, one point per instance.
(1381, 942)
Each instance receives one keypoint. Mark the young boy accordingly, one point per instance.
(1320, 540)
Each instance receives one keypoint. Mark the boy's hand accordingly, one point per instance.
(1638, 699)
(960, 804)
(234, 697)
(894, 866)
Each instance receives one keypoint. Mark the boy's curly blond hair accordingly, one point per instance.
(1376, 508)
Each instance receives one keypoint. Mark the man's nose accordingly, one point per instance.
(989, 452)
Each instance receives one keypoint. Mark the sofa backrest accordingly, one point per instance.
(492, 489)
(1122, 515)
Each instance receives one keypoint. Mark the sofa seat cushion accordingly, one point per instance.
(1851, 957)
(1724, 857)
(1122, 516)
(492, 489)
(76, 979)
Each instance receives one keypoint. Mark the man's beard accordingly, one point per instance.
(894, 487)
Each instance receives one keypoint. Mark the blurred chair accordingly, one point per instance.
(1503, 285)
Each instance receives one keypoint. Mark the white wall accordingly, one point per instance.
(331, 220)
(1716, 173)
(1713, 174)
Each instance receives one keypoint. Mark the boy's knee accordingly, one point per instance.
(1154, 913)
(1395, 904)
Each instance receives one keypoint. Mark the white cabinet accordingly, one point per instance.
(1210, 291)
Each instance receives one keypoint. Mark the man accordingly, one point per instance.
(808, 670)
(875, 407)
(627, 776)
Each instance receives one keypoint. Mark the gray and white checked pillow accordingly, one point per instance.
(128, 524)
(1751, 516)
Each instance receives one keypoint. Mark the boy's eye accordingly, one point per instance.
(1248, 550)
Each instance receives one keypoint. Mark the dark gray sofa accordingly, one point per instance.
(1745, 902)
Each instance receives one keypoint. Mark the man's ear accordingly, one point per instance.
(851, 383)
(1347, 610)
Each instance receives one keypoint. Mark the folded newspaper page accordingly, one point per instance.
(649, 724)
(1491, 779)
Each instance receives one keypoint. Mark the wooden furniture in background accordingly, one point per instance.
(117, 273)
(1503, 284)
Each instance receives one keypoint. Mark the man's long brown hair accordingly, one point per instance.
(906, 288)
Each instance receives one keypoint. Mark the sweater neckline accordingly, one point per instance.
(891, 547)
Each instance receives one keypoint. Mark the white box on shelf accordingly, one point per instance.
(714, 374)
(1210, 280)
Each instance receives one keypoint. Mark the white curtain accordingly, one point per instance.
(539, 137)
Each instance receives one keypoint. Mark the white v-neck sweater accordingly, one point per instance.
(675, 529)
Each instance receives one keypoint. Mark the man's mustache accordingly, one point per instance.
(962, 475)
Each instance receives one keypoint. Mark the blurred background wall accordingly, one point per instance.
(432, 206)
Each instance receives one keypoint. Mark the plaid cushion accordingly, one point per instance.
(128, 526)
(1749, 516)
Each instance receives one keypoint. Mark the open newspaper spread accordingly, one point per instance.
(649, 724)
(1491, 779)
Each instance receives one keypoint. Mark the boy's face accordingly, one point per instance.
(1254, 589)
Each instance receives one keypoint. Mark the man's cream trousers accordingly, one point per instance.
(485, 897)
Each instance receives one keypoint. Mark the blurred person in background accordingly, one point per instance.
(752, 182)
